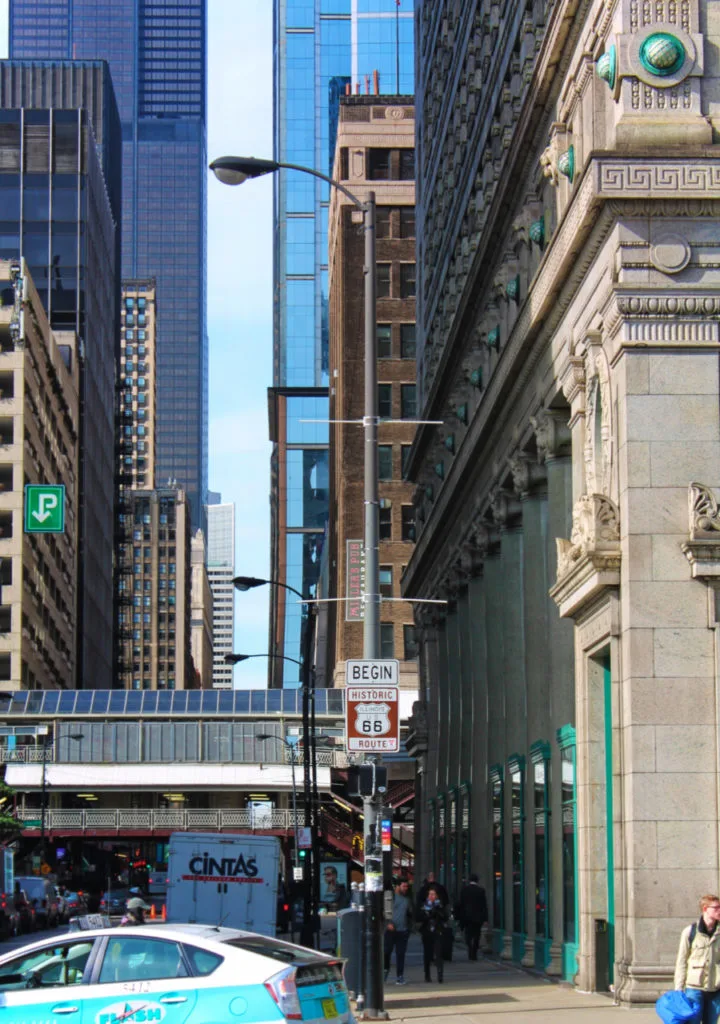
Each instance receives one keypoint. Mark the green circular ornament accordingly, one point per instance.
(606, 66)
(662, 54)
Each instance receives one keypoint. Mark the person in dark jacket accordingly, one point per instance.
(472, 913)
(433, 923)
(427, 885)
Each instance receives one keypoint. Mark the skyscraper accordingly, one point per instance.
(156, 50)
(58, 131)
(221, 569)
(322, 47)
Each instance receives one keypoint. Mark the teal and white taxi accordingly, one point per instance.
(177, 974)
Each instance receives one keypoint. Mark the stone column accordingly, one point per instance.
(495, 648)
(529, 481)
(507, 514)
(554, 447)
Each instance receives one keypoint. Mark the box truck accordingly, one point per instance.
(223, 880)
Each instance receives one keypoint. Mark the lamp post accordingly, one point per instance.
(263, 737)
(234, 170)
(245, 583)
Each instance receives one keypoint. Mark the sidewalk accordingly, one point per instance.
(488, 992)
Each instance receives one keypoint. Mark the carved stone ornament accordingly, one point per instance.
(598, 426)
(552, 435)
(418, 734)
(572, 380)
(528, 475)
(703, 549)
(590, 560)
(505, 508)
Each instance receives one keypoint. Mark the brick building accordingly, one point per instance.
(375, 150)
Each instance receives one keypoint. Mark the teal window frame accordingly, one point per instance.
(497, 801)
(540, 758)
(566, 739)
(516, 779)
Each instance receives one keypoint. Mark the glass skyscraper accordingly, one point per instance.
(156, 50)
(321, 48)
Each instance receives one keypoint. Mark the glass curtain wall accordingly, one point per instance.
(322, 47)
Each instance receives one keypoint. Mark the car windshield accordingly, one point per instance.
(34, 887)
(282, 951)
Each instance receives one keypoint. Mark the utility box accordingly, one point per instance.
(602, 955)
(350, 946)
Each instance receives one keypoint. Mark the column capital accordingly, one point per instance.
(552, 435)
(528, 474)
(506, 508)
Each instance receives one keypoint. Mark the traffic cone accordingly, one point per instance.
(163, 915)
(153, 912)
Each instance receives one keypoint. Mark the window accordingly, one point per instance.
(407, 221)
(384, 341)
(382, 221)
(407, 341)
(408, 404)
(141, 959)
(385, 519)
(382, 279)
(379, 164)
(498, 846)
(516, 771)
(58, 965)
(540, 754)
(408, 523)
(410, 644)
(385, 401)
(385, 462)
(407, 164)
(386, 580)
(407, 280)
(387, 640)
(202, 961)
(405, 450)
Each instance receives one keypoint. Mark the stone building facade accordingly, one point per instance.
(568, 195)
(373, 132)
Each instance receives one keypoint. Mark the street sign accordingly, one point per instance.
(44, 508)
(372, 724)
(386, 834)
(354, 580)
(305, 838)
(298, 874)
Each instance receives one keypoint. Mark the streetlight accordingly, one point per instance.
(263, 737)
(44, 731)
(234, 170)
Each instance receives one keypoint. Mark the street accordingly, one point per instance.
(24, 940)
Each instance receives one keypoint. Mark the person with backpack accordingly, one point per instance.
(697, 969)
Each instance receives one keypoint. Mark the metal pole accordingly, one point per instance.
(294, 801)
(315, 869)
(306, 931)
(374, 998)
(42, 799)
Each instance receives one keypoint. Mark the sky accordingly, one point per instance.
(239, 299)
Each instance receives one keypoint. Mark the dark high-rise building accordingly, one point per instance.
(156, 50)
(322, 48)
(58, 214)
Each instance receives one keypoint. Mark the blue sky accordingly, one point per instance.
(239, 298)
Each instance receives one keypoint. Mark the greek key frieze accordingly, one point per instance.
(660, 178)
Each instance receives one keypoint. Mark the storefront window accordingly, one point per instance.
(567, 769)
(517, 801)
(464, 832)
(452, 846)
(441, 840)
(540, 754)
(496, 783)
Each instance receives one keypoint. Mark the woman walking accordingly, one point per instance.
(433, 922)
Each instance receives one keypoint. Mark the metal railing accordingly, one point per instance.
(161, 820)
(276, 754)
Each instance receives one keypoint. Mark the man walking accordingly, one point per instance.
(473, 914)
(397, 932)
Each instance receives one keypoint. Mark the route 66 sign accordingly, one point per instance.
(373, 718)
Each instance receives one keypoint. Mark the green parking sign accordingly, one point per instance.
(44, 508)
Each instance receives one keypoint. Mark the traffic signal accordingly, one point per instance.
(367, 780)
(302, 854)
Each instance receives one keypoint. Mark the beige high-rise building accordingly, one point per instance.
(137, 386)
(201, 613)
(154, 592)
(39, 415)
(374, 150)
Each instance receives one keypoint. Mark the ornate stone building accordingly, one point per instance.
(568, 270)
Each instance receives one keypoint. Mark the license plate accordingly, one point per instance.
(329, 1009)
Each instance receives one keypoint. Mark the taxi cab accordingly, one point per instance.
(177, 974)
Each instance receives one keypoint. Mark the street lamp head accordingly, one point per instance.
(233, 659)
(234, 170)
(248, 582)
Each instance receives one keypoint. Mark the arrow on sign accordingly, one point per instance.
(46, 501)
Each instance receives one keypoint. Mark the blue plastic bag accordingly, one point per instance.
(677, 1007)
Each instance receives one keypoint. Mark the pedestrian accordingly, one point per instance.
(437, 886)
(697, 969)
(397, 932)
(134, 912)
(472, 913)
(434, 922)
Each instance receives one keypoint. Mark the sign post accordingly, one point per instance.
(44, 508)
